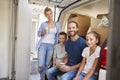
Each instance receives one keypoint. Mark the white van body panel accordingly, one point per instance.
(102, 74)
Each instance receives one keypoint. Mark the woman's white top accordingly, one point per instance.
(90, 58)
(50, 36)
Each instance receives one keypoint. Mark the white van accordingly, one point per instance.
(18, 28)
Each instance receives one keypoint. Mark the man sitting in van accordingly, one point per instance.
(74, 47)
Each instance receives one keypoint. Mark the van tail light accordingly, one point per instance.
(103, 58)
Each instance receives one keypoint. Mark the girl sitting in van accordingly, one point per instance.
(90, 58)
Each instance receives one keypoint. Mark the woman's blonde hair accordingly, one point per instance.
(47, 9)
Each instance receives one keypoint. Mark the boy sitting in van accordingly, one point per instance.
(59, 51)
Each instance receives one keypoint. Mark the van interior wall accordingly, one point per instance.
(94, 22)
(91, 9)
(100, 25)
(63, 20)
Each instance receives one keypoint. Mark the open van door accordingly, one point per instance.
(113, 56)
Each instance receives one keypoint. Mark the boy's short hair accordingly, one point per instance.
(63, 33)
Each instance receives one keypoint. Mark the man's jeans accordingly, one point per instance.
(54, 71)
(45, 53)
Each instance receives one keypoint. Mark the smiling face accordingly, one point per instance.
(72, 29)
(62, 39)
(91, 40)
(49, 15)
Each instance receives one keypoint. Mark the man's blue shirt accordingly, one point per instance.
(74, 50)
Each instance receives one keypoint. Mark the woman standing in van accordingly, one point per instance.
(48, 32)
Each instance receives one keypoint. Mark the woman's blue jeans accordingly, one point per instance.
(45, 53)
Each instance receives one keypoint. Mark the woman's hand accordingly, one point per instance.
(44, 32)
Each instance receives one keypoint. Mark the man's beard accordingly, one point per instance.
(74, 34)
